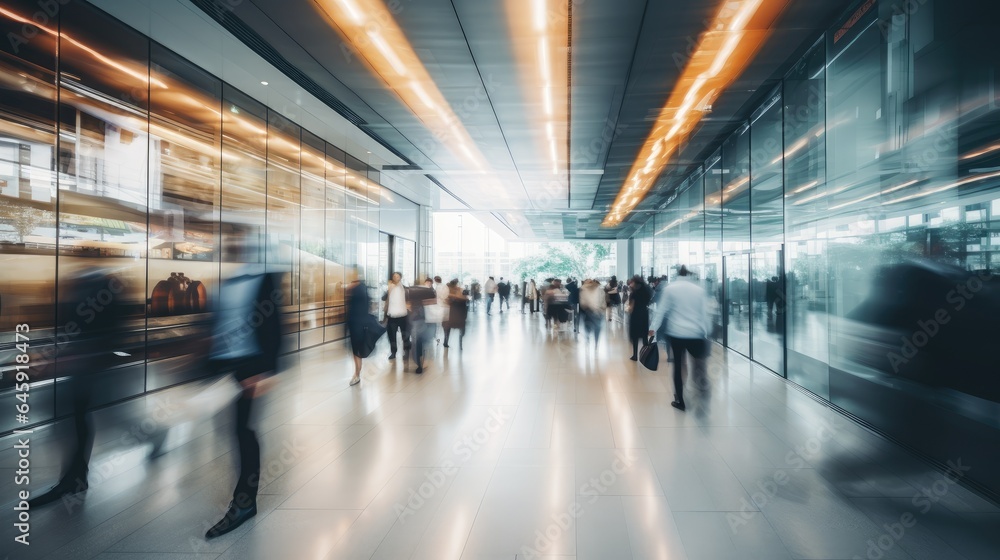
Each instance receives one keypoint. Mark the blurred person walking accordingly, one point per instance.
(592, 304)
(442, 291)
(246, 343)
(686, 312)
(503, 290)
(424, 317)
(458, 312)
(396, 315)
(639, 299)
(532, 295)
(477, 294)
(491, 293)
(93, 334)
(613, 297)
(658, 303)
(358, 318)
(573, 289)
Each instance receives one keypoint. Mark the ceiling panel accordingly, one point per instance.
(626, 57)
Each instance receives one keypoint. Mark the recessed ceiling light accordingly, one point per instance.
(263, 83)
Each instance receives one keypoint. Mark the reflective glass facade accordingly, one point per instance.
(116, 152)
(848, 230)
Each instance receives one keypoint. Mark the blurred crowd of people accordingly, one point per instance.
(245, 337)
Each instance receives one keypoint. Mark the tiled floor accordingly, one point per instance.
(526, 444)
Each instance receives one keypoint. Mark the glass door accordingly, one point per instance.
(767, 314)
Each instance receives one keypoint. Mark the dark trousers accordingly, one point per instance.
(635, 343)
(245, 494)
(575, 307)
(398, 324)
(504, 300)
(422, 333)
(461, 334)
(81, 388)
(680, 347)
(489, 302)
(592, 322)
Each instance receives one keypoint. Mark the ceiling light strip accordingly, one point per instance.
(733, 38)
(373, 34)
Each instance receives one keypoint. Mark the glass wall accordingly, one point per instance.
(849, 228)
(119, 156)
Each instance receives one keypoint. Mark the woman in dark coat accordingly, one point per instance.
(638, 321)
(358, 303)
(458, 312)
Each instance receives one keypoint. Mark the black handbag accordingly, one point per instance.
(649, 356)
(372, 332)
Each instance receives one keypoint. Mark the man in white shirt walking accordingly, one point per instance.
(395, 312)
(685, 308)
(491, 293)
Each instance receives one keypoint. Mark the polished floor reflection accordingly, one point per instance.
(525, 444)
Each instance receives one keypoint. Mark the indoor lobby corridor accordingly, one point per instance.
(525, 444)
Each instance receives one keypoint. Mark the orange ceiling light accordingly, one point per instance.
(737, 32)
(540, 36)
(371, 30)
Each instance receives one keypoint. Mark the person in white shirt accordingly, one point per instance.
(685, 307)
(491, 293)
(396, 315)
(442, 291)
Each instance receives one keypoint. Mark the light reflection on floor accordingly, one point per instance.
(527, 441)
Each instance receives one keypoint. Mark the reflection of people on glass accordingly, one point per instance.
(771, 294)
(91, 315)
(358, 303)
(246, 342)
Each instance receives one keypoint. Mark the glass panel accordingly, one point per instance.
(313, 231)
(713, 244)
(737, 267)
(244, 181)
(283, 213)
(27, 207)
(806, 278)
(336, 246)
(184, 205)
(767, 235)
(736, 237)
(103, 173)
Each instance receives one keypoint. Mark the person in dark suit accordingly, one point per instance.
(358, 304)
(638, 321)
(503, 290)
(574, 301)
(91, 319)
(246, 343)
(458, 312)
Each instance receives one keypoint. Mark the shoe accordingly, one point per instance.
(233, 519)
(61, 490)
(355, 380)
(392, 356)
(679, 405)
(420, 370)
(445, 345)
(634, 359)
